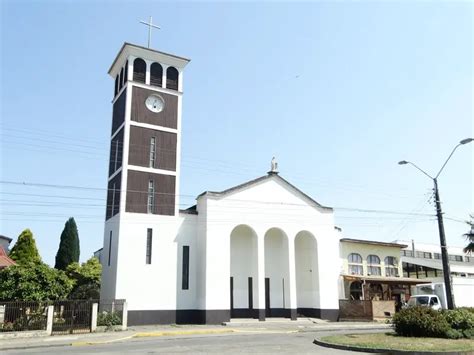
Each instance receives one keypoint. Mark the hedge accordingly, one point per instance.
(426, 322)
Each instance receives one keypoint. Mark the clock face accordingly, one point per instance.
(155, 103)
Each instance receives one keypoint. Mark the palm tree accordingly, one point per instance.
(470, 237)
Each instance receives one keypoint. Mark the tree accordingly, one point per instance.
(86, 279)
(470, 236)
(24, 251)
(33, 282)
(69, 249)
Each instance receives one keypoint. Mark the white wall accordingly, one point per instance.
(156, 285)
(277, 268)
(243, 260)
(463, 291)
(307, 282)
(109, 272)
(263, 206)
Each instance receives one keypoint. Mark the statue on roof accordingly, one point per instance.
(274, 166)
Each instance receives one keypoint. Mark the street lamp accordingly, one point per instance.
(442, 237)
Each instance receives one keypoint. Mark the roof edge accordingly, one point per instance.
(125, 44)
(262, 178)
(362, 241)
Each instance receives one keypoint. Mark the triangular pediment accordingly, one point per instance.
(277, 183)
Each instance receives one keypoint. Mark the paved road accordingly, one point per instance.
(269, 343)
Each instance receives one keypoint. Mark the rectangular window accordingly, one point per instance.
(151, 197)
(112, 208)
(455, 257)
(355, 270)
(391, 271)
(152, 152)
(149, 237)
(116, 155)
(408, 253)
(374, 270)
(437, 256)
(110, 247)
(185, 271)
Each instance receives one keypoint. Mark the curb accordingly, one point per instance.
(385, 350)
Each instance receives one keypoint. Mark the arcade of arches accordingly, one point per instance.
(273, 274)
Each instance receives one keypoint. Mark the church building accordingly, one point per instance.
(257, 250)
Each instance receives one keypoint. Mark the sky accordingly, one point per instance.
(338, 92)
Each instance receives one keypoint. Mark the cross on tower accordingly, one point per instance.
(150, 25)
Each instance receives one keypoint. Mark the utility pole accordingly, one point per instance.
(439, 214)
(444, 250)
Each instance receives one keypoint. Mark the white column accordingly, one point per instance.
(147, 74)
(165, 67)
(261, 276)
(95, 308)
(180, 80)
(49, 322)
(292, 277)
(124, 316)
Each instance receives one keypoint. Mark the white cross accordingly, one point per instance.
(150, 25)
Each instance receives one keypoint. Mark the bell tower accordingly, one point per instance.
(145, 140)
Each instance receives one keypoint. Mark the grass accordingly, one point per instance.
(391, 341)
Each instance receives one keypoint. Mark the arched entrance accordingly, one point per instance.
(307, 274)
(277, 287)
(243, 272)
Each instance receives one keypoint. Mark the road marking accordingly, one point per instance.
(182, 332)
(84, 343)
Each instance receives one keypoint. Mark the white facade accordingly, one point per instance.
(261, 249)
(264, 229)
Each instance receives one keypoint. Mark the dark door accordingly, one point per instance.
(231, 297)
(267, 297)
(250, 293)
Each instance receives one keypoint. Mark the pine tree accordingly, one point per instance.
(69, 250)
(24, 251)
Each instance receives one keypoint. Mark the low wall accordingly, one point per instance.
(366, 310)
(382, 309)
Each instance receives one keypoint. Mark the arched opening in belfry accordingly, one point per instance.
(172, 76)
(156, 74)
(139, 70)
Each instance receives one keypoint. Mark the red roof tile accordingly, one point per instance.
(4, 259)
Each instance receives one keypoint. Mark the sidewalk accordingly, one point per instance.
(231, 328)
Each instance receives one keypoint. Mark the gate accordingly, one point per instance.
(72, 317)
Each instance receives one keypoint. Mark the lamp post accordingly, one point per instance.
(439, 214)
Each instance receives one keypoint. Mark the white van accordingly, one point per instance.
(431, 301)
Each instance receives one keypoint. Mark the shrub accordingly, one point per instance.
(468, 333)
(459, 318)
(454, 334)
(420, 322)
(108, 319)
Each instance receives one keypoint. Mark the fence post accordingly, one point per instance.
(95, 307)
(49, 321)
(124, 316)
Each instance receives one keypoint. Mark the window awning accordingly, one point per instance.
(388, 280)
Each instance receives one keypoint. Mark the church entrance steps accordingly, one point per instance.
(247, 321)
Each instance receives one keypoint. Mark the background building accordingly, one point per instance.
(422, 261)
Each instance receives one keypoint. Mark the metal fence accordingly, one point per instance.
(72, 316)
(21, 316)
(69, 316)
